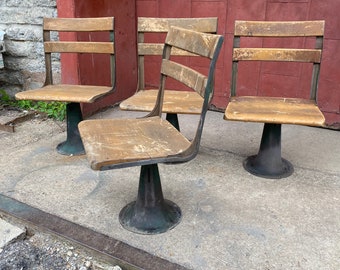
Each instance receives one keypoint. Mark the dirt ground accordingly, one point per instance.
(39, 250)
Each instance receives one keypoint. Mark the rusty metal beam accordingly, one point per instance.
(108, 248)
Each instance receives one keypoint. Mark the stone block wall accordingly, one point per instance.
(24, 65)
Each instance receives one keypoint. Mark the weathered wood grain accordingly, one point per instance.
(65, 92)
(277, 110)
(157, 49)
(113, 141)
(162, 25)
(274, 110)
(185, 75)
(78, 24)
(279, 28)
(79, 47)
(270, 54)
(174, 101)
(200, 44)
(116, 143)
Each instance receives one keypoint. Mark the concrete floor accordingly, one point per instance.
(231, 219)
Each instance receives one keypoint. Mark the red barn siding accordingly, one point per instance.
(77, 70)
(263, 79)
(254, 78)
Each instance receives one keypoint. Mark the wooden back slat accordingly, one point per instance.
(194, 42)
(78, 47)
(201, 44)
(279, 29)
(78, 24)
(77, 27)
(162, 25)
(157, 49)
(288, 55)
(185, 75)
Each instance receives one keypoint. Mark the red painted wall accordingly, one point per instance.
(255, 78)
(262, 79)
(76, 69)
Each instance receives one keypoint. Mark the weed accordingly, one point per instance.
(53, 109)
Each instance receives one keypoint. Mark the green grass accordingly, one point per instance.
(53, 109)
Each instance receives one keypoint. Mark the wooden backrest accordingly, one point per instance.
(162, 26)
(77, 25)
(279, 29)
(201, 44)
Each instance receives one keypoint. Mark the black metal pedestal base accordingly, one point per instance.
(73, 145)
(268, 163)
(150, 213)
(254, 166)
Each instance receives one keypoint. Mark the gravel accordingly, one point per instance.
(45, 252)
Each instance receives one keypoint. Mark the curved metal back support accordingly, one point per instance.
(205, 45)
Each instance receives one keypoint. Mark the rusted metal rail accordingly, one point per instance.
(107, 248)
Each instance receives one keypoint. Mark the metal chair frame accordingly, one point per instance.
(151, 213)
(268, 162)
(71, 94)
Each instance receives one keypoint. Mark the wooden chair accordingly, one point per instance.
(73, 94)
(145, 142)
(275, 111)
(175, 102)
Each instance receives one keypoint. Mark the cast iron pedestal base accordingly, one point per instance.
(268, 163)
(150, 213)
(73, 145)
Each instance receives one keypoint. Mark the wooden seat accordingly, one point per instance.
(175, 101)
(73, 94)
(275, 111)
(117, 143)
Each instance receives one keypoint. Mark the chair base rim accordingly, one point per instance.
(251, 165)
(154, 220)
(70, 149)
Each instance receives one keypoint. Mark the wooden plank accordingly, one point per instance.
(276, 54)
(157, 49)
(279, 28)
(162, 25)
(274, 110)
(185, 75)
(79, 24)
(115, 141)
(198, 43)
(186, 102)
(79, 47)
(65, 92)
